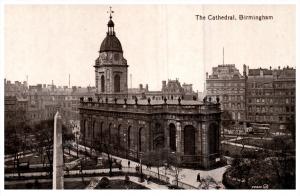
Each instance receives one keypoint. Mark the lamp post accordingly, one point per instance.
(141, 168)
(76, 139)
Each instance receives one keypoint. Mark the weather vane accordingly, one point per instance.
(110, 12)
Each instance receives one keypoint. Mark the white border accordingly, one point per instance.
(77, 192)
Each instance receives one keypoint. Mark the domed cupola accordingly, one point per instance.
(111, 43)
(111, 66)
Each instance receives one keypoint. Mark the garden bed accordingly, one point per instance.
(122, 184)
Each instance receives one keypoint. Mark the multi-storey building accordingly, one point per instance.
(270, 96)
(170, 90)
(41, 101)
(227, 84)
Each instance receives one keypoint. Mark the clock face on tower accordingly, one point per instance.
(116, 56)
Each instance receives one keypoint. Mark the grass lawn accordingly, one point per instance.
(36, 159)
(267, 144)
(48, 185)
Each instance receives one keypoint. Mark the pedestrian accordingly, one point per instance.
(198, 177)
(128, 163)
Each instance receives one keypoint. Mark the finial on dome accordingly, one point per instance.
(110, 24)
(110, 12)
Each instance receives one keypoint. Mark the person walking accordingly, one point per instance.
(198, 177)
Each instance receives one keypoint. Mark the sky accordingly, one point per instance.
(160, 42)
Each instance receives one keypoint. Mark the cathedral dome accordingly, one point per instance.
(111, 44)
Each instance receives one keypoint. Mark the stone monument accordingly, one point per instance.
(58, 170)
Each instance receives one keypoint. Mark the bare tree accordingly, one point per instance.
(175, 161)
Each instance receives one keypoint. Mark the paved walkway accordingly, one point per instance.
(241, 145)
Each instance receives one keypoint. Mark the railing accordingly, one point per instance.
(124, 169)
(155, 175)
(183, 185)
(156, 108)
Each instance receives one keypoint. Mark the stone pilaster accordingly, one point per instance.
(198, 138)
(179, 142)
(205, 160)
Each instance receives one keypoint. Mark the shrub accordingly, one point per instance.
(104, 182)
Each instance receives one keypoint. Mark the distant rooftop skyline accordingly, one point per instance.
(160, 42)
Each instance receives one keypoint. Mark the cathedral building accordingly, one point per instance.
(133, 127)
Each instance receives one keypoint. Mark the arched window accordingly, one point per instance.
(109, 133)
(101, 132)
(128, 137)
(189, 140)
(117, 83)
(119, 136)
(93, 133)
(172, 136)
(158, 137)
(102, 83)
(140, 140)
(86, 131)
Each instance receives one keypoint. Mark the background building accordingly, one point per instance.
(41, 101)
(271, 96)
(228, 85)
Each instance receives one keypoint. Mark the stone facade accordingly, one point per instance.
(192, 130)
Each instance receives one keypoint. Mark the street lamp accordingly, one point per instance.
(77, 138)
(141, 168)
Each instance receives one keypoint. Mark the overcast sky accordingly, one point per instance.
(160, 42)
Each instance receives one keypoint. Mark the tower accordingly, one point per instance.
(111, 67)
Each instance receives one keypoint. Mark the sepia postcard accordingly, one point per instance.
(149, 96)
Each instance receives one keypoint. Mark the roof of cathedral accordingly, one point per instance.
(111, 43)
